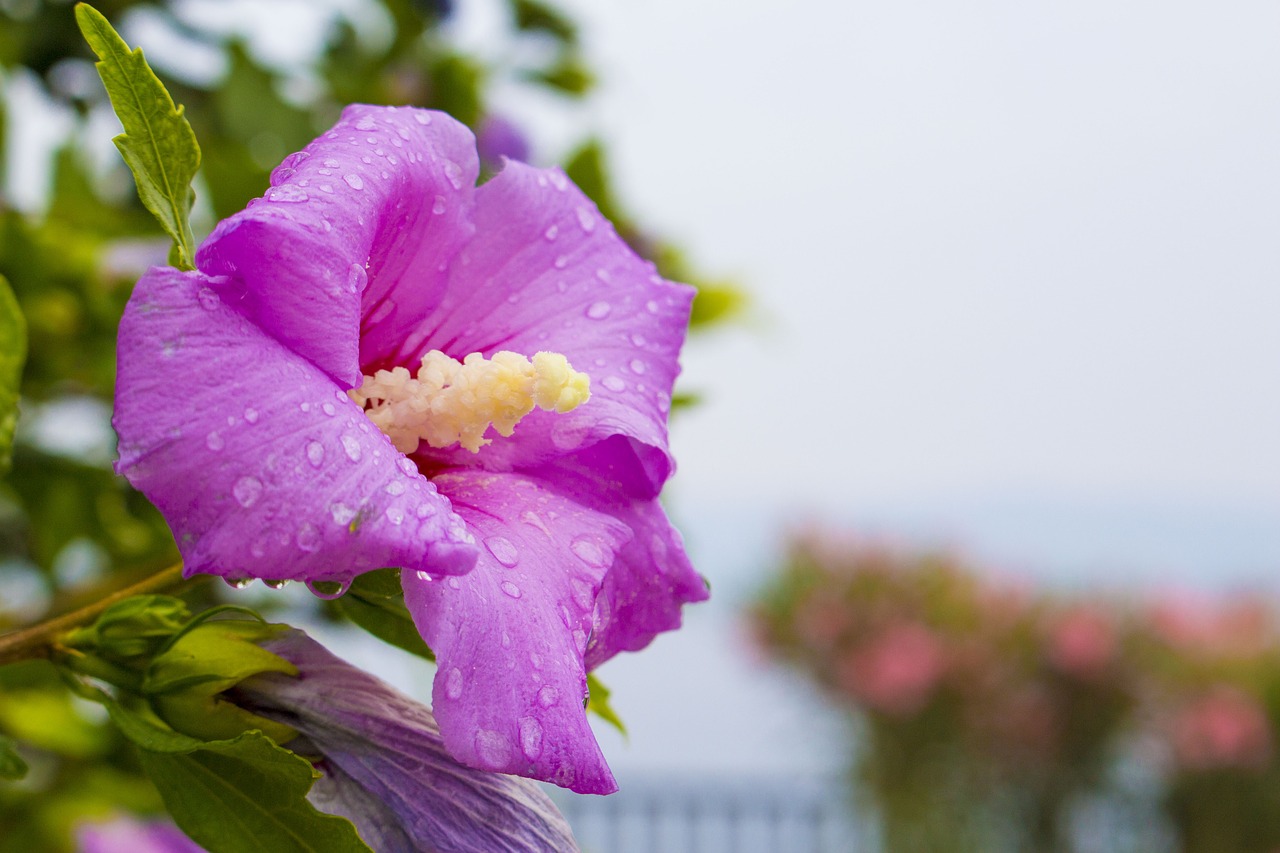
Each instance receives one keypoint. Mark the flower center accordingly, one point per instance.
(453, 402)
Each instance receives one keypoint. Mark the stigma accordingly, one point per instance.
(453, 402)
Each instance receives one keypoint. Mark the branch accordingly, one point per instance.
(37, 641)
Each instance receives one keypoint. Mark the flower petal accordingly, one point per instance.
(355, 233)
(648, 583)
(510, 636)
(546, 272)
(262, 466)
(387, 769)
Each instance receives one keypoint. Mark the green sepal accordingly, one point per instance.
(13, 354)
(375, 602)
(131, 628)
(598, 703)
(241, 795)
(215, 655)
(158, 143)
(12, 766)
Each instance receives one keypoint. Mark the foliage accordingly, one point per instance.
(989, 715)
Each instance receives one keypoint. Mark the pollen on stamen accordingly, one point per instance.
(453, 402)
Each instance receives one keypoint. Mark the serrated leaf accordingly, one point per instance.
(13, 354)
(375, 602)
(598, 703)
(11, 764)
(158, 143)
(243, 795)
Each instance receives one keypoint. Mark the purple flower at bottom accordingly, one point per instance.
(374, 273)
(131, 835)
(499, 137)
(385, 767)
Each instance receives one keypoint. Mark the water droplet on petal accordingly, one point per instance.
(651, 307)
(510, 589)
(599, 310)
(535, 659)
(453, 172)
(453, 683)
(328, 409)
(589, 552)
(454, 583)
(214, 442)
(288, 193)
(308, 538)
(613, 383)
(561, 262)
(357, 277)
(208, 299)
(664, 402)
(247, 490)
(395, 487)
(394, 514)
(552, 232)
(439, 206)
(530, 738)
(637, 366)
(547, 696)
(493, 749)
(506, 640)
(328, 590)
(586, 219)
(274, 583)
(341, 513)
(366, 124)
(237, 583)
(422, 118)
(251, 415)
(315, 453)
(503, 550)
(352, 447)
(354, 181)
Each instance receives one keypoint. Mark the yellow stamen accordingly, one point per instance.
(451, 402)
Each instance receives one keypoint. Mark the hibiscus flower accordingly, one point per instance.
(374, 283)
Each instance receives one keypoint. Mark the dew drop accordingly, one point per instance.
(493, 749)
(453, 683)
(237, 583)
(637, 366)
(561, 262)
(599, 310)
(354, 181)
(613, 383)
(510, 589)
(394, 514)
(275, 583)
(341, 513)
(589, 552)
(438, 207)
(352, 447)
(535, 659)
(503, 550)
(530, 738)
(664, 402)
(651, 307)
(308, 537)
(547, 696)
(247, 490)
(366, 124)
(328, 409)
(395, 487)
(288, 193)
(208, 299)
(251, 415)
(586, 219)
(454, 583)
(357, 278)
(214, 442)
(328, 590)
(422, 118)
(315, 453)
(552, 232)
(453, 172)
(506, 640)
(638, 339)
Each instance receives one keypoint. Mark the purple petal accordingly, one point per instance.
(510, 636)
(387, 768)
(648, 583)
(131, 835)
(262, 465)
(500, 138)
(346, 252)
(546, 272)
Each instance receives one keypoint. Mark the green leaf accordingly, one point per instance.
(375, 602)
(158, 143)
(243, 795)
(598, 703)
(532, 15)
(11, 764)
(13, 354)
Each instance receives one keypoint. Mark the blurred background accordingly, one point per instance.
(979, 450)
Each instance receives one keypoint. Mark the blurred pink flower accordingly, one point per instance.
(1082, 641)
(821, 621)
(896, 672)
(1197, 624)
(1223, 728)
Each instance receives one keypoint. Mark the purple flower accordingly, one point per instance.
(500, 137)
(385, 767)
(530, 555)
(131, 835)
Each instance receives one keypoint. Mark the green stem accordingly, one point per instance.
(39, 640)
